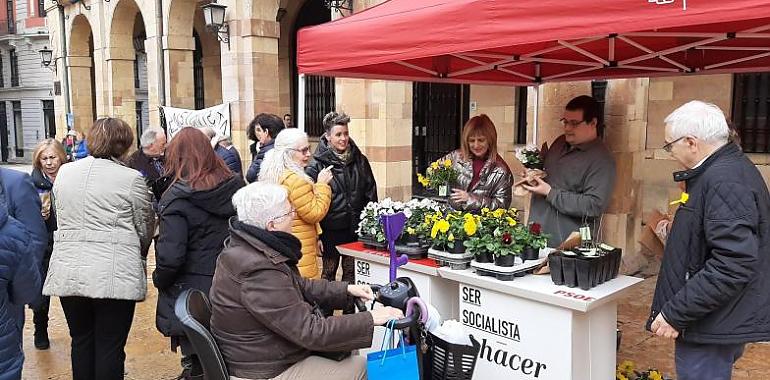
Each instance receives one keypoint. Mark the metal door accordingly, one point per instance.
(438, 113)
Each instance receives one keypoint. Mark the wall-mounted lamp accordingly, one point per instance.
(214, 15)
(46, 57)
(339, 5)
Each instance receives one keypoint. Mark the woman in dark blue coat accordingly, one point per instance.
(20, 284)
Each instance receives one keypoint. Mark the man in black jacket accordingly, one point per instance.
(713, 292)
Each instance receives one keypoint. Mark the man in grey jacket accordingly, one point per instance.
(581, 175)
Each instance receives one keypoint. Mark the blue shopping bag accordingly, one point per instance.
(393, 361)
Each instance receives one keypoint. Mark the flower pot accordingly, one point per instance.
(484, 257)
(530, 253)
(407, 239)
(555, 264)
(505, 260)
(568, 268)
(586, 272)
(438, 247)
(443, 191)
(458, 248)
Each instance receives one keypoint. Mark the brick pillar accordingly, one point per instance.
(180, 87)
(250, 71)
(81, 91)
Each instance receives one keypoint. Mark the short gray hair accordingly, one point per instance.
(333, 118)
(279, 159)
(257, 203)
(149, 136)
(704, 121)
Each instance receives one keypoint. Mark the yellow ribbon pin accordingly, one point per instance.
(682, 199)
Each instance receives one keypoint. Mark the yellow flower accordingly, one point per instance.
(447, 163)
(620, 376)
(470, 227)
(451, 237)
(626, 367)
(434, 165)
(498, 213)
(511, 221)
(410, 230)
(443, 226)
(655, 375)
(682, 199)
(484, 210)
(434, 230)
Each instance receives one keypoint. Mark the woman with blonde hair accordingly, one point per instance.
(48, 157)
(285, 165)
(484, 179)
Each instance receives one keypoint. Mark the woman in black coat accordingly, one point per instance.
(48, 157)
(194, 214)
(353, 186)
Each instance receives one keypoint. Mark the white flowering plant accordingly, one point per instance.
(530, 157)
(414, 210)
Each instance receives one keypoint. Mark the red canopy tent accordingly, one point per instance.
(526, 42)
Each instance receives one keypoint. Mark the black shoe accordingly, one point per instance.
(41, 339)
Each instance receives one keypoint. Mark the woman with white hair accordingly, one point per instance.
(265, 316)
(285, 165)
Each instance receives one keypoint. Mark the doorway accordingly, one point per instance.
(439, 112)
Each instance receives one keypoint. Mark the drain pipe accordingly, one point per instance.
(161, 61)
(65, 73)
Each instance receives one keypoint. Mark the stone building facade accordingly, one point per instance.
(26, 91)
(188, 67)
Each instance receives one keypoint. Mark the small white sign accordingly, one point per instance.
(474, 105)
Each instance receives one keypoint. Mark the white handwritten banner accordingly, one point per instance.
(217, 117)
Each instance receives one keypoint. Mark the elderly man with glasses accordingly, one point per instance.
(581, 175)
(712, 293)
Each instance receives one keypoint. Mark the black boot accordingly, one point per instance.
(41, 331)
(191, 368)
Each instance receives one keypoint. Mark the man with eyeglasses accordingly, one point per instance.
(712, 293)
(581, 175)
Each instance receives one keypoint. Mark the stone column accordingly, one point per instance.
(250, 70)
(81, 91)
(381, 125)
(180, 87)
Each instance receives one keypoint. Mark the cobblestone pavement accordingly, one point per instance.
(149, 356)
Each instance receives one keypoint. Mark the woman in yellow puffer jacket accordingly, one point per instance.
(285, 165)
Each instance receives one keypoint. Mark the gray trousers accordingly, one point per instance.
(706, 361)
(316, 367)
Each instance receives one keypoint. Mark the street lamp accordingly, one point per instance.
(214, 16)
(46, 56)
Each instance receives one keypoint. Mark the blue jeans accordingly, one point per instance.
(706, 361)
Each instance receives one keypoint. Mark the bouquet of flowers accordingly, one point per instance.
(438, 176)
(532, 166)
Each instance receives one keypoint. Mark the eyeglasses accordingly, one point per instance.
(668, 146)
(572, 123)
(291, 213)
(304, 150)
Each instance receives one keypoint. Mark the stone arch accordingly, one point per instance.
(82, 73)
(121, 57)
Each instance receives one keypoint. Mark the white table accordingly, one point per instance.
(528, 328)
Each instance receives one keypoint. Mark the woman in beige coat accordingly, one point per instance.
(104, 218)
(285, 165)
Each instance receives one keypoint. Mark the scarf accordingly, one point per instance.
(344, 157)
(284, 243)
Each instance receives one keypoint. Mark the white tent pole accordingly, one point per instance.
(301, 102)
(536, 127)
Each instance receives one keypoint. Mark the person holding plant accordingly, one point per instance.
(483, 178)
(353, 187)
(581, 175)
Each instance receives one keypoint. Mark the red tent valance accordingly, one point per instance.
(524, 42)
